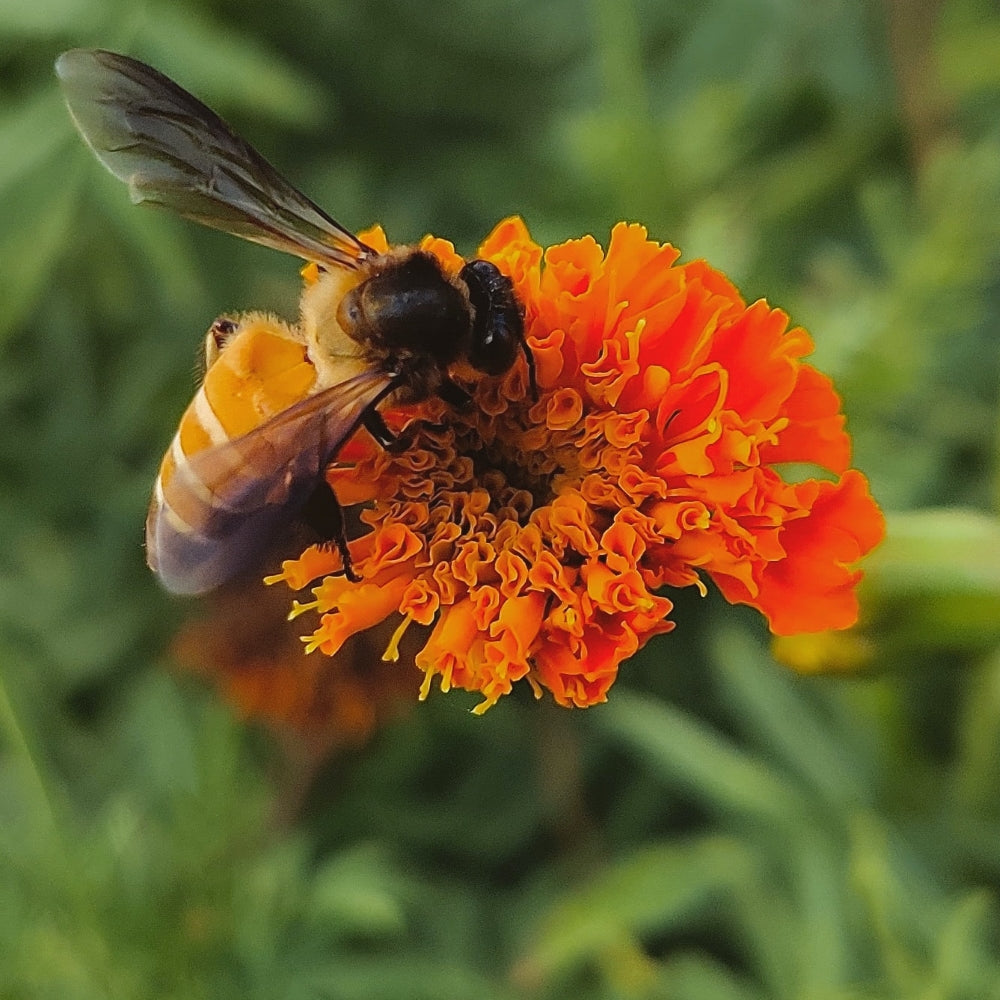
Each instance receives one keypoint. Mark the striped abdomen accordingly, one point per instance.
(197, 536)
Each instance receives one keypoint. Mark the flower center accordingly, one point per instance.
(516, 477)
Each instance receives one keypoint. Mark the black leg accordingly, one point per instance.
(325, 516)
(454, 395)
(530, 358)
(396, 443)
(375, 425)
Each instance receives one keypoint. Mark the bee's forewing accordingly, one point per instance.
(173, 151)
(222, 507)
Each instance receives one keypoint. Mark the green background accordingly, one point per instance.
(723, 828)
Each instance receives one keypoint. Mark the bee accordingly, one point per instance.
(278, 401)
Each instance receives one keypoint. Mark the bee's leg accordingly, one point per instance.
(325, 516)
(454, 395)
(530, 359)
(374, 423)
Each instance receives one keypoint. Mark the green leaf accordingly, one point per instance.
(357, 892)
(966, 965)
(774, 707)
(936, 579)
(687, 754)
(949, 550)
(699, 977)
(659, 887)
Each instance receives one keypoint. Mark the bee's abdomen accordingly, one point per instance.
(260, 372)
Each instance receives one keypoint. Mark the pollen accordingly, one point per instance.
(539, 540)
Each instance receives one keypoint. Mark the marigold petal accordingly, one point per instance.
(690, 408)
(420, 601)
(613, 592)
(449, 644)
(676, 518)
(815, 430)
(559, 669)
(755, 344)
(549, 575)
(393, 544)
(812, 588)
(444, 251)
(512, 571)
(563, 408)
(315, 562)
(359, 608)
(623, 545)
(567, 523)
(616, 365)
(516, 254)
(548, 351)
(374, 237)
(487, 603)
(519, 619)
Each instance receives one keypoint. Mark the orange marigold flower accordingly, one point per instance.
(536, 538)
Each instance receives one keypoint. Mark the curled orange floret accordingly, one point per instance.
(537, 540)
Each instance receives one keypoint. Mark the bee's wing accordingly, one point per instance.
(221, 508)
(173, 151)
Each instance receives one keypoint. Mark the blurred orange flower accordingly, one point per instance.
(243, 643)
(536, 539)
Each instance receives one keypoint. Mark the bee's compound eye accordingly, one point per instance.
(495, 348)
(350, 313)
(498, 329)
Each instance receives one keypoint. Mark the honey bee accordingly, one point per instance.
(279, 402)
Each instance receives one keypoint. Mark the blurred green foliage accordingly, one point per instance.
(722, 828)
